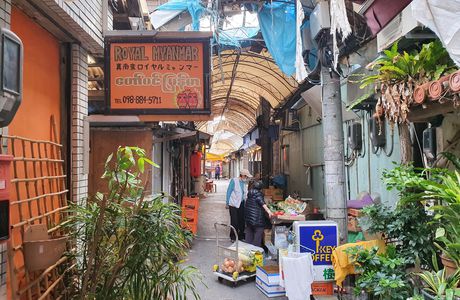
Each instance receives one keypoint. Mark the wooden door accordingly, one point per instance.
(104, 141)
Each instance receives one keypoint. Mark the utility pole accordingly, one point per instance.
(334, 165)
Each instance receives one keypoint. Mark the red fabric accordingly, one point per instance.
(195, 164)
(381, 12)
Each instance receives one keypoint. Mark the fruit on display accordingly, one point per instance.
(229, 266)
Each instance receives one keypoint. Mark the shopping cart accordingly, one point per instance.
(238, 254)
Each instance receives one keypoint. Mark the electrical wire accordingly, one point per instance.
(388, 154)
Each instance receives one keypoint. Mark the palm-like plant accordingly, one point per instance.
(440, 285)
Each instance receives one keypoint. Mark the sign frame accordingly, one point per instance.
(313, 226)
(153, 37)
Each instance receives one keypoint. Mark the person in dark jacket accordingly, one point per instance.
(255, 210)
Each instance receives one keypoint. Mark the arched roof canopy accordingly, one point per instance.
(236, 90)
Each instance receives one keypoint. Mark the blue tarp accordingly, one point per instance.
(277, 22)
(233, 37)
(194, 8)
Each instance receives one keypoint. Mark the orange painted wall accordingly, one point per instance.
(41, 99)
(41, 80)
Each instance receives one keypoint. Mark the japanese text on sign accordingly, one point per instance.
(149, 76)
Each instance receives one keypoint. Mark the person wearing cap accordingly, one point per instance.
(236, 194)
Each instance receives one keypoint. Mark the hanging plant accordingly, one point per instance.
(397, 74)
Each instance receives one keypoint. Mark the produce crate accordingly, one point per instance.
(191, 202)
(353, 224)
(190, 215)
(322, 288)
(354, 212)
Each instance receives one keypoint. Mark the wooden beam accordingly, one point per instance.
(425, 112)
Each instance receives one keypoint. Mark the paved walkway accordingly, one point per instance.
(203, 252)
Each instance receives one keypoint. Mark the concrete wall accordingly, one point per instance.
(365, 175)
(311, 153)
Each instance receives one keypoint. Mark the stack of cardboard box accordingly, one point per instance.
(274, 194)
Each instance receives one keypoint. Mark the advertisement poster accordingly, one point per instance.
(158, 77)
(319, 238)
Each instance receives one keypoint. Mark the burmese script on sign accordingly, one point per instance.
(156, 76)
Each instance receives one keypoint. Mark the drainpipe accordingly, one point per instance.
(334, 165)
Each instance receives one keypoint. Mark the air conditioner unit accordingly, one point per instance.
(320, 20)
(404, 25)
(290, 120)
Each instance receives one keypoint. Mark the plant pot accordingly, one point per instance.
(41, 252)
(39, 255)
(449, 265)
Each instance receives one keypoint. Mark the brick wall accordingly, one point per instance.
(80, 131)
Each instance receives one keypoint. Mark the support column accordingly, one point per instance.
(334, 173)
(80, 129)
(265, 141)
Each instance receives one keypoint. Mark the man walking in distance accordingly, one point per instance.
(217, 172)
(236, 195)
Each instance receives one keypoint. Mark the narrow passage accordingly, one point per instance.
(203, 252)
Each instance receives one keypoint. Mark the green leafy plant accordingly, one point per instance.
(129, 246)
(382, 276)
(397, 73)
(440, 285)
(441, 186)
(408, 225)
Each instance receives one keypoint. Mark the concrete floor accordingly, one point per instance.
(203, 252)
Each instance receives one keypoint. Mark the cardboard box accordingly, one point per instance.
(267, 235)
(270, 290)
(268, 192)
(277, 192)
(269, 274)
(291, 218)
(353, 224)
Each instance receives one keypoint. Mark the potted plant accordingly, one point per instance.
(440, 185)
(129, 246)
(396, 74)
(438, 285)
(382, 276)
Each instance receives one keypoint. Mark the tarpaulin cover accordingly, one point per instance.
(277, 22)
(235, 36)
(194, 8)
(441, 16)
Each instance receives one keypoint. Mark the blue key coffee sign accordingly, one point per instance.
(319, 238)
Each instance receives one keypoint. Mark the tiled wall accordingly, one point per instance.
(80, 132)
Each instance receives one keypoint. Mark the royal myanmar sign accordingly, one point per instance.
(163, 74)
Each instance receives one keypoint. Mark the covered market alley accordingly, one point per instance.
(229, 149)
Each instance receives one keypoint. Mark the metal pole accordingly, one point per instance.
(334, 170)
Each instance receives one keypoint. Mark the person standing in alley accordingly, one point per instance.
(236, 195)
(255, 210)
(217, 172)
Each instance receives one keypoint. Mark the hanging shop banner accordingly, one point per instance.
(319, 238)
(155, 75)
